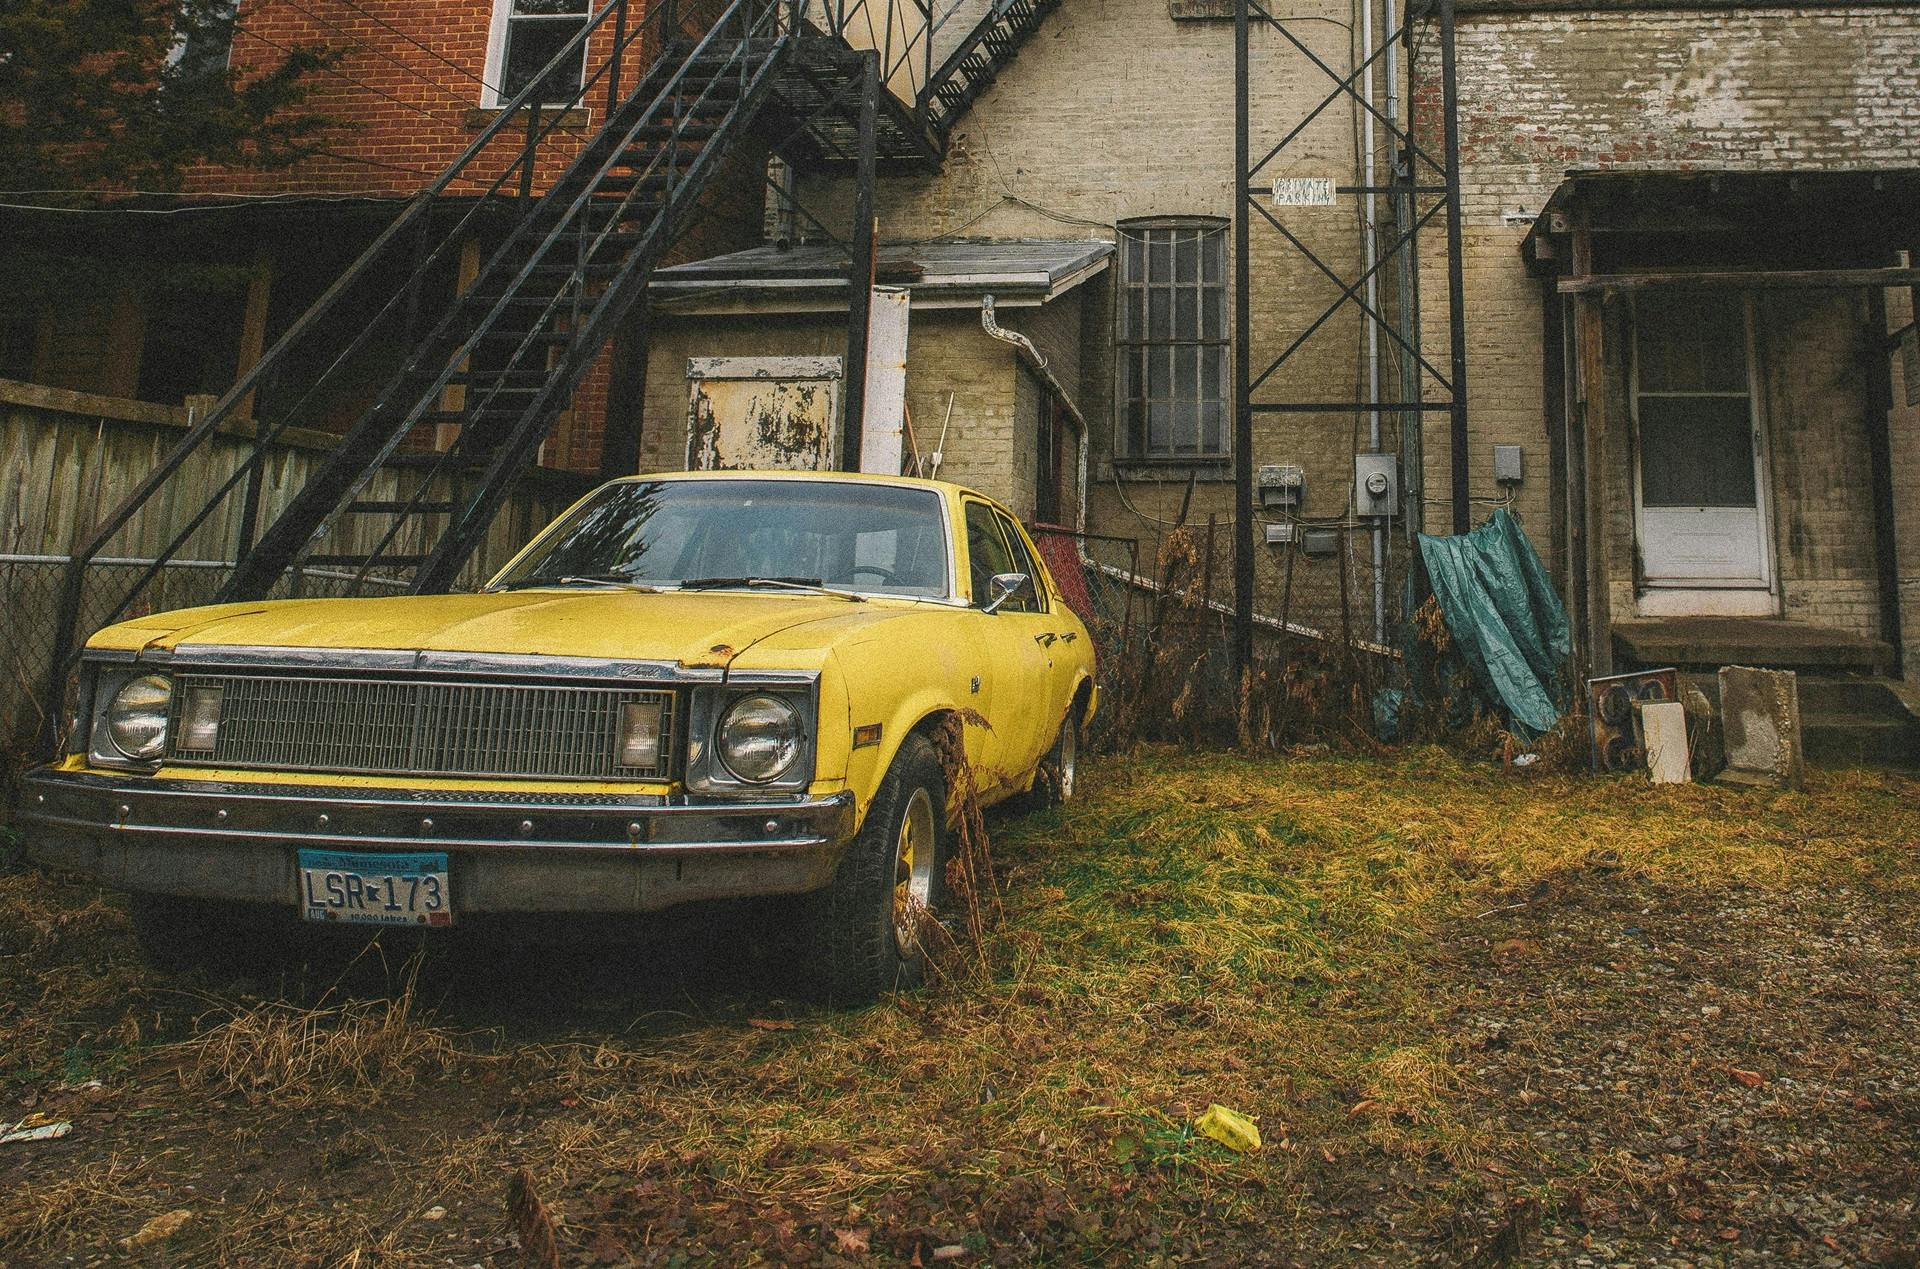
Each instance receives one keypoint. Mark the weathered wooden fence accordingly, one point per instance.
(67, 458)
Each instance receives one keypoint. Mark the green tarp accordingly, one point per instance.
(1508, 625)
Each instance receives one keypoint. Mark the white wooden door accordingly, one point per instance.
(1700, 488)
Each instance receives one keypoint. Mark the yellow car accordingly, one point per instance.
(690, 686)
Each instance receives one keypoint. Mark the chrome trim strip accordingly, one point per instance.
(167, 809)
(758, 846)
(515, 666)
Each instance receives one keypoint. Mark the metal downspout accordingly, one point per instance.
(1037, 363)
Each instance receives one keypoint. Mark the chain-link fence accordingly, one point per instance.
(30, 588)
(1161, 613)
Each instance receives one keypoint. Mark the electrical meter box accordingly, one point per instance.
(1506, 464)
(1280, 485)
(1376, 484)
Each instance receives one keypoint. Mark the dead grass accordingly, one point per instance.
(1201, 928)
(43, 1209)
(293, 1056)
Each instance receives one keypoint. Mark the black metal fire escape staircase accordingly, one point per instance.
(488, 370)
(502, 363)
(970, 69)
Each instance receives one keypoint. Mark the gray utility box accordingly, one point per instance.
(1507, 469)
(1281, 485)
(1376, 484)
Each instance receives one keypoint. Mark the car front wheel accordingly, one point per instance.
(866, 932)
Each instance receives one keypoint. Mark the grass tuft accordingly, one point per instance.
(293, 1056)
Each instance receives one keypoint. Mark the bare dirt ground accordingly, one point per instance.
(1480, 1018)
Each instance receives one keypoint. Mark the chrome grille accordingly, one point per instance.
(388, 727)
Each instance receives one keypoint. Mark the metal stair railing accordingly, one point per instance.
(747, 40)
(978, 59)
(439, 356)
(413, 247)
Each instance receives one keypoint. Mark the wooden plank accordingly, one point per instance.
(1755, 279)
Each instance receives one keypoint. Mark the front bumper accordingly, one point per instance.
(507, 852)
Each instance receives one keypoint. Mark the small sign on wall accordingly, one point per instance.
(1303, 191)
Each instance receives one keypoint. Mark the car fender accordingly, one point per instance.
(899, 708)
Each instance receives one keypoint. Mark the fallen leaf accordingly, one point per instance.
(434, 1213)
(1862, 1103)
(159, 1229)
(1730, 1234)
(770, 1024)
(1752, 1079)
(1828, 1240)
(851, 1242)
(1361, 1108)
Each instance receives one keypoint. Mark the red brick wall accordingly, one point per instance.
(408, 82)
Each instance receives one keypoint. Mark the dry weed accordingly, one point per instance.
(293, 1056)
(38, 1210)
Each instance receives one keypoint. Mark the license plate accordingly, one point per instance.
(375, 889)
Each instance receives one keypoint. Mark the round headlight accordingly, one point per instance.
(759, 738)
(137, 716)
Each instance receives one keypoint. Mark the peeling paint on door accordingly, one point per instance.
(752, 420)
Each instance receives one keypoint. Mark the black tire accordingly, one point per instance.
(857, 943)
(176, 934)
(1055, 783)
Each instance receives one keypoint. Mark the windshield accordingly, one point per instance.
(872, 538)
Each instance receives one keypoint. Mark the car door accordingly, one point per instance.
(1054, 629)
(1016, 654)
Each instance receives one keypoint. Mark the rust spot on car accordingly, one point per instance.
(716, 657)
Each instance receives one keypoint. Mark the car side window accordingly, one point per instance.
(987, 554)
(1030, 599)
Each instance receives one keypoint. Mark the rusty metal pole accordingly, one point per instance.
(860, 270)
(1242, 351)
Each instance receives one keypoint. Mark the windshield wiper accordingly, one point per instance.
(620, 580)
(784, 583)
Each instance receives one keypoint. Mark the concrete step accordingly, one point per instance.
(1835, 694)
(1863, 740)
(1845, 719)
(1769, 643)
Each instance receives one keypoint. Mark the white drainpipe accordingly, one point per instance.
(1038, 364)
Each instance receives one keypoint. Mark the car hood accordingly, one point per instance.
(703, 629)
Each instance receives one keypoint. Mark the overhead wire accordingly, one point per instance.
(339, 74)
(436, 84)
(431, 52)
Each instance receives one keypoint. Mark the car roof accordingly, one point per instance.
(945, 487)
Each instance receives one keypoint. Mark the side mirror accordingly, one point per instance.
(1005, 587)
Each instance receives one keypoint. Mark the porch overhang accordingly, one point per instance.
(813, 278)
(1622, 229)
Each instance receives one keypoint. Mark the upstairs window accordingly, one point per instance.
(527, 34)
(1171, 339)
(202, 39)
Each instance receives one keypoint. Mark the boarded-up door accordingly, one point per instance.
(763, 413)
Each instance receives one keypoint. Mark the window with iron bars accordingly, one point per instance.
(1171, 339)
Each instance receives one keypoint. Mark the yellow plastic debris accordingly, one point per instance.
(1228, 1127)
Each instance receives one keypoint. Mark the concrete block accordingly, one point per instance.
(1760, 718)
